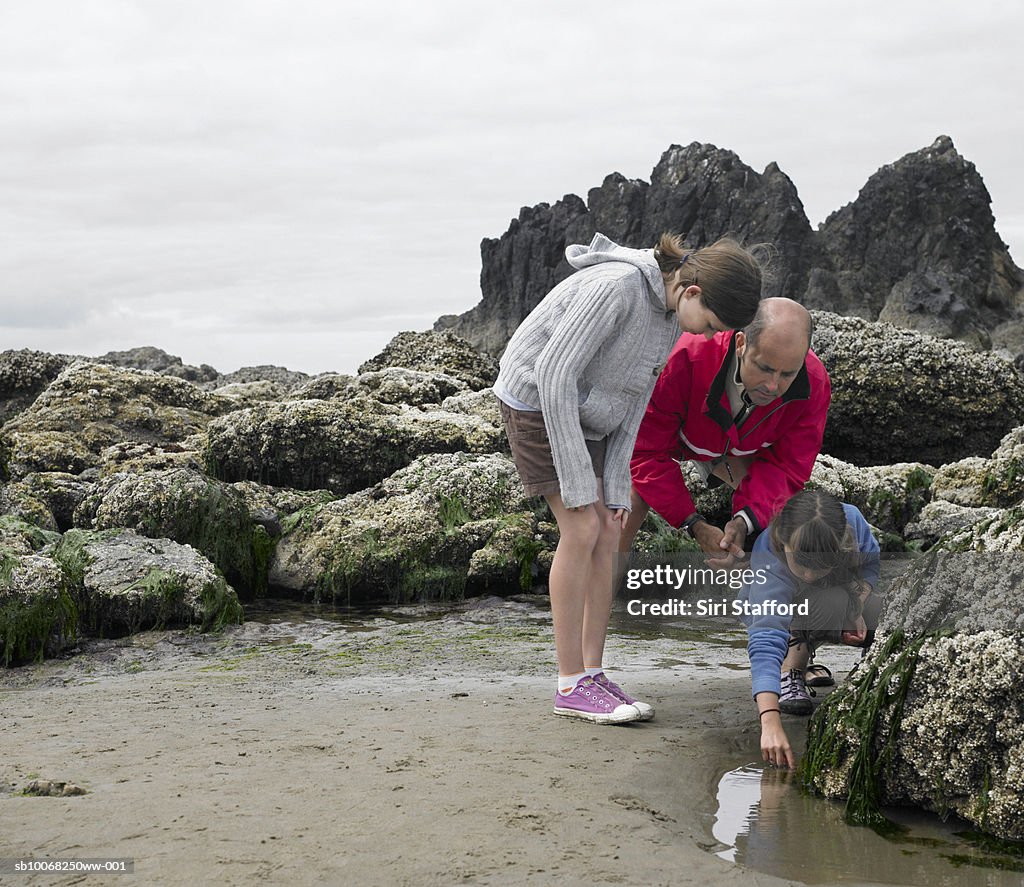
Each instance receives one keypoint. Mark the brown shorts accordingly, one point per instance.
(531, 451)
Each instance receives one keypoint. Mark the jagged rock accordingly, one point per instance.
(919, 243)
(889, 496)
(23, 374)
(399, 385)
(323, 387)
(940, 518)
(433, 352)
(444, 524)
(931, 303)
(187, 507)
(342, 446)
(898, 396)
(38, 616)
(157, 360)
(920, 224)
(125, 583)
(92, 406)
(282, 377)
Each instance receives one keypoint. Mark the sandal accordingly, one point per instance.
(819, 676)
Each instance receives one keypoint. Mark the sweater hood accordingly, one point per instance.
(601, 250)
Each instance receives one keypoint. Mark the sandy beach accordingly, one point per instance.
(384, 752)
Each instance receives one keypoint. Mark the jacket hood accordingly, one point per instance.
(601, 250)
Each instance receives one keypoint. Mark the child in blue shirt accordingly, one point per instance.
(820, 564)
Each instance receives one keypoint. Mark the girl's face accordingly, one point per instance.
(694, 317)
(804, 574)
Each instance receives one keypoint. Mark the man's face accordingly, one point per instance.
(768, 368)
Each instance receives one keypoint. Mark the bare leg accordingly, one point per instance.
(578, 534)
(797, 657)
(601, 586)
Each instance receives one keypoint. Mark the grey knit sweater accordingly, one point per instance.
(588, 357)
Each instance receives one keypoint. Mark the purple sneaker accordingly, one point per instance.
(646, 711)
(591, 702)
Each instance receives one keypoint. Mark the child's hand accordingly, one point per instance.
(857, 635)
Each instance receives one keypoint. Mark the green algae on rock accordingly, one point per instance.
(934, 715)
(342, 446)
(38, 615)
(444, 524)
(188, 507)
(124, 582)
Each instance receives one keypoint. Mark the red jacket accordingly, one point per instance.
(688, 418)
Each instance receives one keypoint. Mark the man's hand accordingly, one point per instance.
(724, 549)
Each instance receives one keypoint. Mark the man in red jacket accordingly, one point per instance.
(749, 408)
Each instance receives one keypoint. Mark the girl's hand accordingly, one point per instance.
(857, 635)
(775, 747)
(620, 517)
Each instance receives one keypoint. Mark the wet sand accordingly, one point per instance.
(393, 752)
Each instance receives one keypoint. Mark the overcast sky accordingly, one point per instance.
(289, 182)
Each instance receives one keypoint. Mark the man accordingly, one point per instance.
(749, 407)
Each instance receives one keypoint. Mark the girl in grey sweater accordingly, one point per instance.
(574, 383)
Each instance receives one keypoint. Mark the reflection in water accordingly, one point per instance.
(768, 824)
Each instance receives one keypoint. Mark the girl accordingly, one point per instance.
(575, 380)
(819, 552)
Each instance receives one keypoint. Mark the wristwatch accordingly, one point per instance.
(688, 524)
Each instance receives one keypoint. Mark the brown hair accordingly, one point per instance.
(813, 526)
(728, 275)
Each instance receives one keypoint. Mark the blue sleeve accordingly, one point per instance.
(866, 543)
(767, 633)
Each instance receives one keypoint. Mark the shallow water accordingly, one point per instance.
(763, 820)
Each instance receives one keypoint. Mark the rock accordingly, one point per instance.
(997, 481)
(961, 482)
(38, 616)
(89, 407)
(398, 385)
(126, 583)
(18, 536)
(444, 525)
(941, 518)
(433, 352)
(323, 387)
(247, 394)
(924, 227)
(137, 458)
(23, 375)
(157, 360)
(930, 303)
(189, 508)
(934, 715)
(53, 495)
(898, 396)
(46, 788)
(342, 446)
(280, 377)
(889, 496)
(482, 404)
(918, 246)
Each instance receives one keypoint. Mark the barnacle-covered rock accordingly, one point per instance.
(89, 407)
(38, 616)
(445, 523)
(412, 387)
(433, 352)
(899, 396)
(934, 716)
(23, 375)
(124, 582)
(342, 446)
(187, 507)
